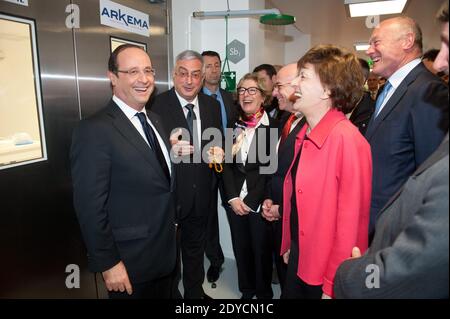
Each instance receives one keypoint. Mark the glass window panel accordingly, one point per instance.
(22, 138)
(115, 42)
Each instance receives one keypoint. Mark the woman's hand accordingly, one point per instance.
(239, 207)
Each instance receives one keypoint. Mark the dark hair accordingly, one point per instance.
(442, 15)
(211, 54)
(112, 62)
(339, 71)
(270, 69)
(430, 55)
(365, 68)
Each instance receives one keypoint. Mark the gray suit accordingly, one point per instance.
(411, 243)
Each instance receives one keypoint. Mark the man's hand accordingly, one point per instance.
(116, 279)
(286, 256)
(239, 207)
(180, 147)
(266, 209)
(325, 296)
(356, 253)
(270, 211)
(215, 155)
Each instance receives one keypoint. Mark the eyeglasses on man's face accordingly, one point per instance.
(196, 75)
(250, 90)
(134, 73)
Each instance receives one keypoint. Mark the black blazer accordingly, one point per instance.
(230, 107)
(285, 157)
(123, 200)
(194, 181)
(408, 129)
(234, 174)
(362, 113)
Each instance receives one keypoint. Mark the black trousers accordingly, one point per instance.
(294, 287)
(191, 236)
(252, 249)
(213, 250)
(276, 236)
(156, 289)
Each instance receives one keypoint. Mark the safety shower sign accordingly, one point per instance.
(124, 18)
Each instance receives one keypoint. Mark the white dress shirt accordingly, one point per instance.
(397, 78)
(130, 113)
(196, 110)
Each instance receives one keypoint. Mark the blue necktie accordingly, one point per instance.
(153, 142)
(222, 111)
(382, 97)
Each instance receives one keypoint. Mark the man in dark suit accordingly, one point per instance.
(408, 257)
(228, 112)
(361, 114)
(124, 186)
(184, 106)
(272, 208)
(411, 113)
(268, 75)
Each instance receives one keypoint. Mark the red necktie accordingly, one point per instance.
(287, 128)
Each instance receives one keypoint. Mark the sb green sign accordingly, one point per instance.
(228, 82)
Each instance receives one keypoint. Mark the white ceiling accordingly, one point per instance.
(327, 21)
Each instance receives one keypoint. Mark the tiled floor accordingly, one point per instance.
(227, 285)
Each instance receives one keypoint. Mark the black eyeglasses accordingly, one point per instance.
(250, 90)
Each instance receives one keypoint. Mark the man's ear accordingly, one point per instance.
(113, 78)
(408, 41)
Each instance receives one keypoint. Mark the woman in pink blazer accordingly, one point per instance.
(327, 188)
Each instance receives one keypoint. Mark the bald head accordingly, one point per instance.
(283, 88)
(405, 26)
(393, 44)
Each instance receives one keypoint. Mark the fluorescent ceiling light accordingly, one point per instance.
(361, 46)
(364, 8)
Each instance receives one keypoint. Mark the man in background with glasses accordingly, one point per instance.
(124, 185)
(184, 106)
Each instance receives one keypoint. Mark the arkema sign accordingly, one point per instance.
(120, 17)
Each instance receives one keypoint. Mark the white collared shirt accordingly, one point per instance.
(130, 113)
(196, 109)
(397, 78)
(247, 141)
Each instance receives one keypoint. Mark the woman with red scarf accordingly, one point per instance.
(245, 188)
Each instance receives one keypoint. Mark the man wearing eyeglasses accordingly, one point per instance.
(184, 106)
(124, 185)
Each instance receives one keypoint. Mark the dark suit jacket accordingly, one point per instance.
(194, 180)
(230, 107)
(123, 200)
(285, 157)
(234, 174)
(408, 130)
(411, 244)
(363, 112)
